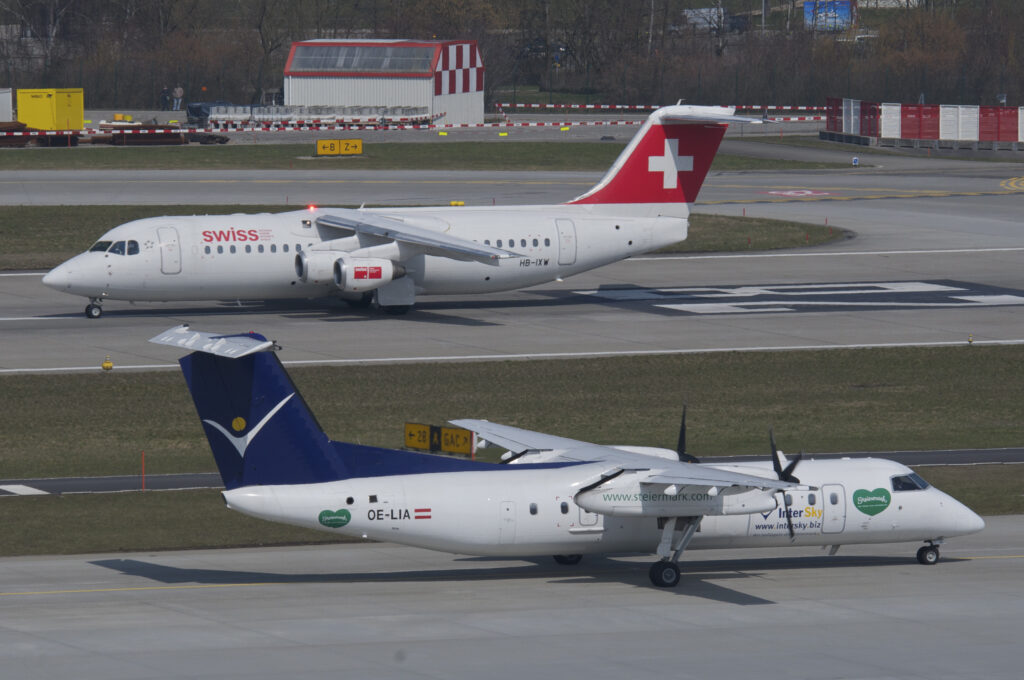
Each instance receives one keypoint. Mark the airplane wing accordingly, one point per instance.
(654, 470)
(431, 241)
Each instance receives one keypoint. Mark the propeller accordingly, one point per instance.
(681, 443)
(785, 474)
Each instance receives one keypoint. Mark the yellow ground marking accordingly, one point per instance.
(1013, 184)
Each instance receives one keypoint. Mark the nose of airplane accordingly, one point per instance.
(57, 278)
(968, 521)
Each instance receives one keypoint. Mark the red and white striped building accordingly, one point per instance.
(445, 76)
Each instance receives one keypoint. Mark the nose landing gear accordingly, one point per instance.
(93, 310)
(928, 554)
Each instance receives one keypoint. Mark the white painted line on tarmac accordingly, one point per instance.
(25, 274)
(22, 490)
(546, 355)
(826, 254)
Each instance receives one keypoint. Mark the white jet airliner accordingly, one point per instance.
(551, 496)
(391, 255)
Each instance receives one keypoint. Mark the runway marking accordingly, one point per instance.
(823, 297)
(954, 251)
(137, 588)
(548, 355)
(1013, 184)
(25, 274)
(22, 490)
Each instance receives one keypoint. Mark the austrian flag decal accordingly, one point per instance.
(421, 513)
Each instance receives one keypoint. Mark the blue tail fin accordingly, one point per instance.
(257, 423)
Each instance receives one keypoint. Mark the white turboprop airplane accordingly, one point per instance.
(550, 496)
(390, 255)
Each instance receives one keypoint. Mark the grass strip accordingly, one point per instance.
(41, 237)
(449, 155)
(818, 401)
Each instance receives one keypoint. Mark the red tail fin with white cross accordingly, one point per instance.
(667, 160)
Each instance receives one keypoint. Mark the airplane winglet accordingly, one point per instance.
(230, 346)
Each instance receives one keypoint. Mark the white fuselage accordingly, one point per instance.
(532, 512)
(252, 257)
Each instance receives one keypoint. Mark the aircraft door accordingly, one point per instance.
(507, 522)
(834, 507)
(566, 241)
(170, 250)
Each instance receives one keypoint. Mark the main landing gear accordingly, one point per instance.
(676, 534)
(567, 560)
(929, 554)
(93, 309)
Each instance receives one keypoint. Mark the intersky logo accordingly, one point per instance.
(241, 442)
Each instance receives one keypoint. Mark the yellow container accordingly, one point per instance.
(52, 109)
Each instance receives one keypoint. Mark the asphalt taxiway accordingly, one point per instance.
(937, 259)
(386, 611)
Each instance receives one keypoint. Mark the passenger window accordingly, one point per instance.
(133, 247)
(248, 248)
(522, 242)
(233, 250)
(260, 247)
(207, 249)
(536, 243)
(298, 247)
(789, 500)
(117, 248)
(220, 250)
(547, 242)
(487, 241)
(499, 242)
(833, 498)
(812, 499)
(285, 247)
(273, 247)
(565, 508)
(100, 247)
(533, 508)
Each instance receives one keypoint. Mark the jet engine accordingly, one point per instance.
(315, 266)
(358, 274)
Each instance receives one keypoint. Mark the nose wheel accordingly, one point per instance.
(93, 310)
(928, 554)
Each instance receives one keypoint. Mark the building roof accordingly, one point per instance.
(381, 58)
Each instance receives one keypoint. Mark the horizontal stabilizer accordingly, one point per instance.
(231, 346)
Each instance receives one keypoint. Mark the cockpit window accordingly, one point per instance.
(117, 248)
(100, 247)
(911, 482)
(133, 247)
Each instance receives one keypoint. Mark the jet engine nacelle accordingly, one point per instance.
(359, 274)
(315, 266)
(630, 498)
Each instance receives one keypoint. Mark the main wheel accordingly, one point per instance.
(928, 554)
(567, 560)
(362, 302)
(664, 574)
(93, 311)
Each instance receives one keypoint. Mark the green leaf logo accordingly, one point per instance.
(871, 502)
(335, 519)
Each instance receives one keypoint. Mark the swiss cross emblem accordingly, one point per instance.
(670, 164)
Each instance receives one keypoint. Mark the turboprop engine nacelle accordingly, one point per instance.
(633, 499)
(358, 274)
